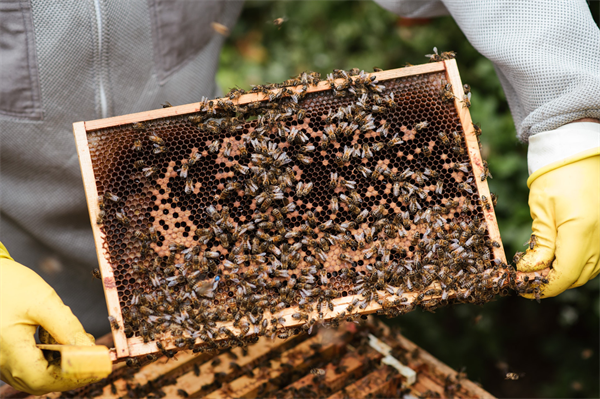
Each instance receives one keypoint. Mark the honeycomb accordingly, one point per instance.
(238, 212)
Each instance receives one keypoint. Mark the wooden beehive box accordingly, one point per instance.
(330, 364)
(214, 235)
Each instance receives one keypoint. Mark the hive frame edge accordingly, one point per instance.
(108, 279)
(475, 158)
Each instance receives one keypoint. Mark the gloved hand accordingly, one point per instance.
(27, 301)
(564, 201)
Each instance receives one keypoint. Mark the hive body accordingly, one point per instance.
(329, 364)
(209, 243)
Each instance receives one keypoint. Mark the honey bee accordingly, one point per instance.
(383, 130)
(334, 204)
(486, 172)
(435, 57)
(243, 150)
(189, 185)
(139, 126)
(111, 197)
(221, 29)
(349, 184)
(156, 140)
(486, 203)
(124, 220)
(395, 141)
(477, 129)
(377, 172)
(421, 126)
(300, 316)
(214, 147)
(159, 149)
(303, 189)
(348, 151)
(304, 159)
(446, 91)
(439, 187)
(466, 100)
(457, 137)
(333, 180)
(425, 150)
(137, 145)
(317, 371)
(532, 242)
(113, 323)
(96, 274)
(362, 216)
(420, 178)
(150, 170)
(183, 171)
(227, 149)
(100, 217)
(366, 172)
(513, 376)
(494, 199)
(465, 187)
(448, 55)
(166, 104)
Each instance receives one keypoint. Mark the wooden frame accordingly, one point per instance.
(135, 346)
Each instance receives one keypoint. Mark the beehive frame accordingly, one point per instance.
(126, 347)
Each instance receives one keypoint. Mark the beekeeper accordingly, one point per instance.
(62, 62)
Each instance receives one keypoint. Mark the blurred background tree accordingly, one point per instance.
(555, 344)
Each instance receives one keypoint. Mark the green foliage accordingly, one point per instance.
(554, 343)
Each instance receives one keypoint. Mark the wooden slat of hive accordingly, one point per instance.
(427, 364)
(426, 384)
(162, 368)
(299, 359)
(288, 371)
(207, 380)
(381, 382)
(336, 376)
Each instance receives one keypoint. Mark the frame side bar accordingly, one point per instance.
(453, 78)
(108, 279)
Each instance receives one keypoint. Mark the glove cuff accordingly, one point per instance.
(555, 165)
(4, 252)
(552, 146)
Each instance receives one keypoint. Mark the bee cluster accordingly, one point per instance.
(219, 221)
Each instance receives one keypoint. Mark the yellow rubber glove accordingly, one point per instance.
(564, 201)
(27, 301)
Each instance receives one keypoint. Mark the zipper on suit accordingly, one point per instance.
(101, 77)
